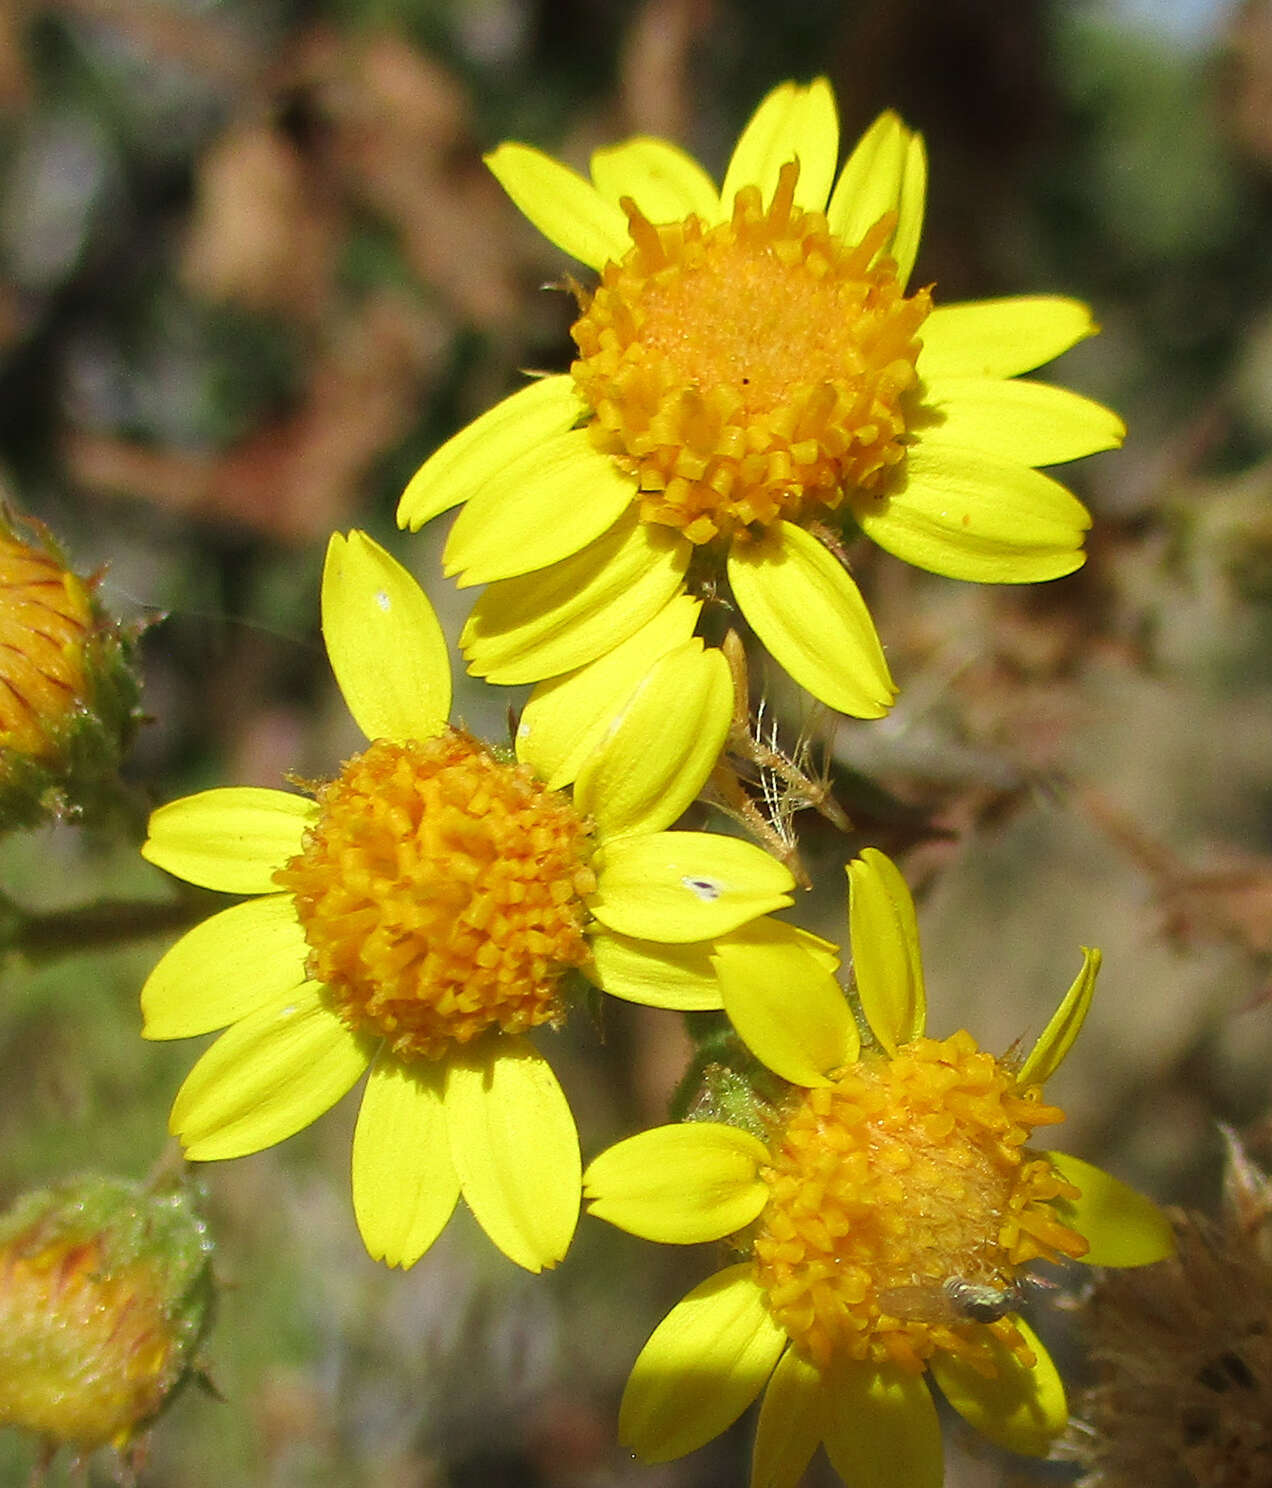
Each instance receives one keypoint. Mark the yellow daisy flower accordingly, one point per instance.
(752, 377)
(886, 1215)
(418, 916)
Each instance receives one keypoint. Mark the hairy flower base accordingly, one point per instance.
(901, 1203)
(441, 892)
(727, 413)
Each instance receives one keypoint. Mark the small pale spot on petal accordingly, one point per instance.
(708, 889)
(383, 600)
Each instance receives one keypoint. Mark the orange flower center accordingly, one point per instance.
(750, 371)
(46, 618)
(902, 1206)
(442, 893)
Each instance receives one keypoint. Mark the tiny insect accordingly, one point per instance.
(955, 1299)
(981, 1303)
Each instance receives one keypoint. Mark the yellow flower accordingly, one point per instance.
(419, 917)
(752, 375)
(886, 1215)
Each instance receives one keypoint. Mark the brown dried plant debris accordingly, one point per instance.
(400, 142)
(264, 234)
(299, 478)
(1247, 63)
(205, 44)
(16, 85)
(334, 136)
(1183, 1355)
(1232, 903)
(656, 86)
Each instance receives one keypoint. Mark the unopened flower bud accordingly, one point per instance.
(68, 695)
(105, 1294)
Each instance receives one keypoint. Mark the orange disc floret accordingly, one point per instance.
(902, 1202)
(749, 371)
(442, 893)
(46, 620)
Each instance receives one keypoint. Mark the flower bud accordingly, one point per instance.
(105, 1293)
(68, 695)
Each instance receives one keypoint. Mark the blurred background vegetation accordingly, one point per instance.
(252, 271)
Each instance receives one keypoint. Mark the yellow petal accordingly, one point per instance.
(216, 973)
(882, 1429)
(667, 976)
(567, 717)
(910, 207)
(665, 183)
(703, 1365)
(787, 1008)
(1021, 1408)
(404, 1183)
(791, 1425)
(1031, 422)
(516, 1149)
(549, 622)
(1066, 1023)
(681, 886)
(680, 1184)
(885, 950)
(886, 172)
(547, 406)
(273, 1073)
(793, 122)
(566, 209)
(1000, 338)
(387, 650)
(1122, 1226)
(974, 516)
(870, 183)
(812, 619)
(234, 839)
(662, 748)
(682, 976)
(547, 503)
(824, 952)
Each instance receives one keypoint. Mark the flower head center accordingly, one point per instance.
(46, 619)
(752, 370)
(902, 1206)
(442, 892)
